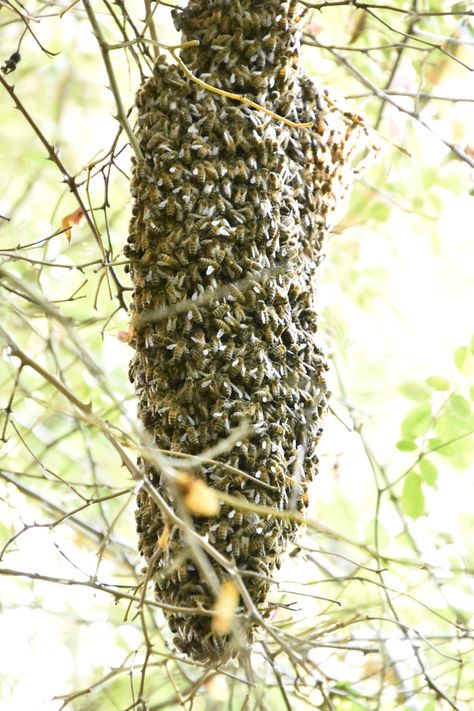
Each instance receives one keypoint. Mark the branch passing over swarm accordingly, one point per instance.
(226, 193)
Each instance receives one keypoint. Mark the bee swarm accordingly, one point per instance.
(230, 199)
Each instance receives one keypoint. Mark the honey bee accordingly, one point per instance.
(192, 244)
(197, 316)
(166, 180)
(192, 435)
(205, 263)
(222, 425)
(219, 310)
(228, 141)
(185, 154)
(222, 531)
(222, 326)
(238, 42)
(236, 293)
(228, 353)
(227, 187)
(182, 573)
(173, 414)
(236, 546)
(172, 293)
(222, 205)
(170, 206)
(202, 151)
(209, 122)
(269, 43)
(141, 169)
(235, 366)
(238, 518)
(179, 351)
(244, 545)
(166, 260)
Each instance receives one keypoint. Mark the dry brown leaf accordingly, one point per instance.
(72, 219)
(126, 336)
(224, 610)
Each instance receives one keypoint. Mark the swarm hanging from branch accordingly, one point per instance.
(231, 208)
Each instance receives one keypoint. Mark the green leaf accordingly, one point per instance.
(460, 356)
(4, 534)
(464, 360)
(471, 392)
(437, 383)
(414, 391)
(428, 472)
(417, 421)
(379, 212)
(430, 706)
(413, 500)
(460, 405)
(434, 443)
(406, 445)
(472, 345)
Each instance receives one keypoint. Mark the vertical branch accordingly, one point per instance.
(114, 87)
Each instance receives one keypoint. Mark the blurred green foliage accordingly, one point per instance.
(390, 572)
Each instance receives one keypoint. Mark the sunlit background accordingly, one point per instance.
(385, 587)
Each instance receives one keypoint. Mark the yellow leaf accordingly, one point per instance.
(163, 540)
(225, 607)
(217, 688)
(199, 498)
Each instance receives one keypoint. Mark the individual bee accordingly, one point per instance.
(175, 443)
(222, 531)
(227, 187)
(238, 518)
(179, 351)
(205, 263)
(236, 546)
(219, 310)
(141, 169)
(209, 122)
(222, 205)
(222, 425)
(172, 293)
(269, 43)
(167, 181)
(155, 141)
(154, 277)
(171, 323)
(172, 416)
(203, 151)
(197, 316)
(192, 436)
(166, 260)
(240, 195)
(244, 545)
(182, 573)
(192, 244)
(238, 42)
(185, 154)
(228, 141)
(222, 326)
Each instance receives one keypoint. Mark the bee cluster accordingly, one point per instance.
(230, 210)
